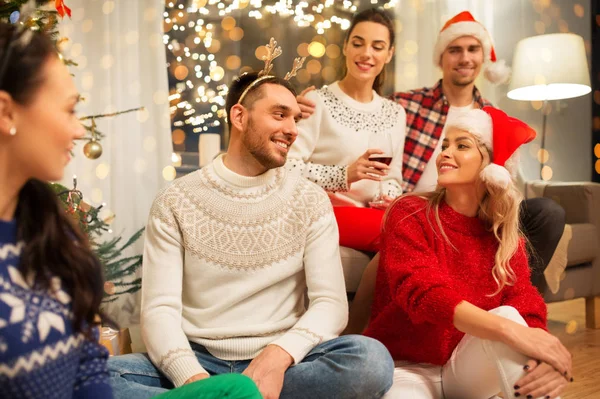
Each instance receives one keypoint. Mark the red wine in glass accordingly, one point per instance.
(381, 158)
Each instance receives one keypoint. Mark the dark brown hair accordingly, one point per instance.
(240, 84)
(379, 16)
(54, 245)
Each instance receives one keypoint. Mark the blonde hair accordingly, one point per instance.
(498, 209)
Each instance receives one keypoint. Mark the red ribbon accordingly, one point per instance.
(62, 8)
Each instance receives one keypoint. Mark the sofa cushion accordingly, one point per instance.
(584, 244)
(556, 267)
(354, 263)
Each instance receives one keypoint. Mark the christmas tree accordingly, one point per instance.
(119, 270)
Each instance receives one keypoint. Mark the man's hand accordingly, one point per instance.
(307, 107)
(197, 377)
(268, 369)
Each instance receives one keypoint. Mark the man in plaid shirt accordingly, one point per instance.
(463, 46)
(426, 113)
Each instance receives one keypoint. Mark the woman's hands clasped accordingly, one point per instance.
(550, 372)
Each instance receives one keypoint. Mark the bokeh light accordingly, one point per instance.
(547, 173)
(316, 49)
(313, 67)
(333, 51)
(181, 72)
(571, 327)
(178, 136)
(228, 23)
(169, 173)
(302, 50)
(236, 34)
(233, 62)
(543, 156)
(260, 52)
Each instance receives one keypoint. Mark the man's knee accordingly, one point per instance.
(375, 364)
(543, 212)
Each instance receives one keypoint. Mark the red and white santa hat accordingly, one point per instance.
(501, 134)
(463, 24)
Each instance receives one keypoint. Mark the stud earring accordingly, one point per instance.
(12, 131)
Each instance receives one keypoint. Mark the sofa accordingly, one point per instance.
(579, 276)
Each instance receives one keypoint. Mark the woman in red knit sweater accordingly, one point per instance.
(453, 301)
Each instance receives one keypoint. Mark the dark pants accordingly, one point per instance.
(543, 223)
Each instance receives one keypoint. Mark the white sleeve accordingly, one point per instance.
(327, 313)
(330, 177)
(162, 274)
(392, 184)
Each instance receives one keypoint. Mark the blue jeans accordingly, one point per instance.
(351, 366)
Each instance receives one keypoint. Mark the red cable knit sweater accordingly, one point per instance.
(421, 279)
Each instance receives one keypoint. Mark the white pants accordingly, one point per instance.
(477, 369)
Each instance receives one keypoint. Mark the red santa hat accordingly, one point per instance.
(463, 24)
(501, 134)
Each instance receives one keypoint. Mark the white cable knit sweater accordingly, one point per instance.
(227, 262)
(338, 133)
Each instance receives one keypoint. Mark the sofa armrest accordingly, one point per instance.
(580, 200)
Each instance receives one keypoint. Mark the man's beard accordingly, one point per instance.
(260, 149)
(462, 82)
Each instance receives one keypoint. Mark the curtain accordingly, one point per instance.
(119, 49)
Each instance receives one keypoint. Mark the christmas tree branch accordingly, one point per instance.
(111, 114)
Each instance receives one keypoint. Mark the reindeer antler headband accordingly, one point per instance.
(273, 51)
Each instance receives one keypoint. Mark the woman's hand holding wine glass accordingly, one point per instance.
(366, 167)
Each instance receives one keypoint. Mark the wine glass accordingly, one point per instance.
(381, 141)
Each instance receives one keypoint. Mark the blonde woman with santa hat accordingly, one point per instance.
(453, 301)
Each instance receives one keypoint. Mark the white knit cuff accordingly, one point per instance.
(182, 369)
(345, 174)
(298, 342)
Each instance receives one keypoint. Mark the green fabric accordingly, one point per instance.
(232, 386)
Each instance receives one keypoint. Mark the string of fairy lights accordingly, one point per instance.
(204, 39)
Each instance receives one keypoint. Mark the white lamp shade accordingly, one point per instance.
(549, 67)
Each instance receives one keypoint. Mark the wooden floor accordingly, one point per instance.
(567, 321)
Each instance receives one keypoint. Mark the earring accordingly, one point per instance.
(12, 131)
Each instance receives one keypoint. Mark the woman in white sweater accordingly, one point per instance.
(333, 143)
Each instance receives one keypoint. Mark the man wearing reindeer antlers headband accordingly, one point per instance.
(242, 271)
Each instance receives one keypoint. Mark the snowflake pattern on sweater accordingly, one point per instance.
(40, 356)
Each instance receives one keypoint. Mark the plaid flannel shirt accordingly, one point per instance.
(426, 112)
